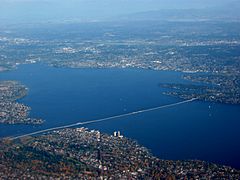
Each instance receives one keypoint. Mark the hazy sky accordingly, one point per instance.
(34, 10)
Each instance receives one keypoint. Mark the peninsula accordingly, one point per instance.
(12, 112)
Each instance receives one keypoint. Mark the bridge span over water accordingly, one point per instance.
(105, 119)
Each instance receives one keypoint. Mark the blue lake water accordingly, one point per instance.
(190, 131)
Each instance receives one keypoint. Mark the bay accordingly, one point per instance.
(196, 130)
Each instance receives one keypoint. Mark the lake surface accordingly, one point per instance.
(189, 131)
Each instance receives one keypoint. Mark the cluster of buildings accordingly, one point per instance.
(83, 154)
(117, 134)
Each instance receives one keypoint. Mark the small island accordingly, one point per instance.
(12, 112)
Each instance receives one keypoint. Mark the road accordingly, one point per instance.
(106, 119)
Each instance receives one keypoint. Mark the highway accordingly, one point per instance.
(106, 119)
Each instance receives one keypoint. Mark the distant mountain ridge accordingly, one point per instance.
(228, 12)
